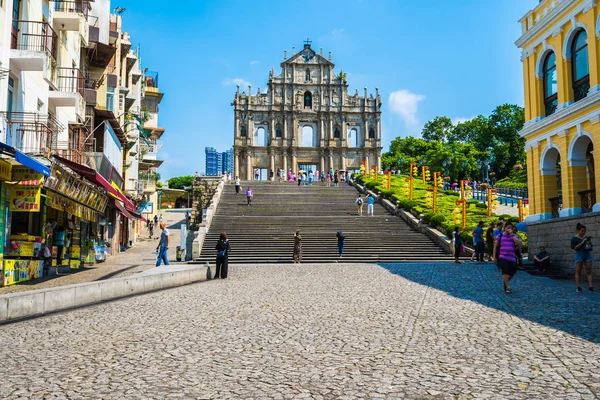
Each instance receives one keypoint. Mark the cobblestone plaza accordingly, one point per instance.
(318, 331)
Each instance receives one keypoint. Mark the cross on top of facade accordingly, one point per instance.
(307, 41)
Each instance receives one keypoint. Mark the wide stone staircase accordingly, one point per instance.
(264, 231)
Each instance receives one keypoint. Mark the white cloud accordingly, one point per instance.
(254, 62)
(337, 32)
(236, 81)
(460, 120)
(406, 104)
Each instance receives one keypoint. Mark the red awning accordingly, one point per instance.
(93, 176)
(122, 209)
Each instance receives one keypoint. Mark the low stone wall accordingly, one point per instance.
(556, 235)
(39, 302)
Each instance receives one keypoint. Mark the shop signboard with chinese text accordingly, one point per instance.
(26, 193)
(74, 187)
(5, 171)
(63, 203)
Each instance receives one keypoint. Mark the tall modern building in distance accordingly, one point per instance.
(218, 163)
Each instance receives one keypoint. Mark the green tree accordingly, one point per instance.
(507, 148)
(180, 182)
(440, 128)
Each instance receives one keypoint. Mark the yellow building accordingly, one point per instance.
(559, 44)
(560, 55)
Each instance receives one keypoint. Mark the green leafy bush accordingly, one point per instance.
(437, 220)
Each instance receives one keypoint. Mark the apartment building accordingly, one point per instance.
(73, 128)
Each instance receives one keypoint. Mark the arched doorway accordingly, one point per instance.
(260, 136)
(354, 137)
(581, 160)
(307, 138)
(552, 186)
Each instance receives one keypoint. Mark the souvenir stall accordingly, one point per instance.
(74, 205)
(23, 251)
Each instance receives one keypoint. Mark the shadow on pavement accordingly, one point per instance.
(554, 304)
(108, 276)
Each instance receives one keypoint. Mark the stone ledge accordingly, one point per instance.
(39, 302)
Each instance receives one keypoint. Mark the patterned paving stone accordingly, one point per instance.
(342, 331)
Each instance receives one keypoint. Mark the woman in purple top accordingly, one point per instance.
(505, 252)
(249, 196)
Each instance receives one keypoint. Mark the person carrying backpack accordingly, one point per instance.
(223, 247)
(359, 204)
(340, 239)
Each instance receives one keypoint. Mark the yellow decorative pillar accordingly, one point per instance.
(534, 201)
(526, 73)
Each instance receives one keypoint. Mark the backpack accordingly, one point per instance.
(223, 248)
(340, 235)
(359, 201)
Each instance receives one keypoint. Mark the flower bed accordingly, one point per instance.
(446, 203)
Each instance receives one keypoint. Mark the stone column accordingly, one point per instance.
(236, 163)
(378, 163)
(294, 136)
(322, 163)
(236, 127)
(273, 168)
(344, 160)
(331, 160)
(294, 165)
(285, 168)
(272, 130)
(248, 166)
(366, 130)
(367, 162)
(284, 134)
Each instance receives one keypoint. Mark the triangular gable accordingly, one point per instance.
(307, 56)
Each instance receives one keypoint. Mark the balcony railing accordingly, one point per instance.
(71, 80)
(71, 154)
(34, 36)
(77, 6)
(550, 107)
(588, 199)
(31, 132)
(581, 90)
(555, 206)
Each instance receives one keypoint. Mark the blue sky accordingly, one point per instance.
(453, 58)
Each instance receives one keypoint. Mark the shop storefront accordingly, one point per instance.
(23, 220)
(74, 206)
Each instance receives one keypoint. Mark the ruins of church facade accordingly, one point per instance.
(305, 119)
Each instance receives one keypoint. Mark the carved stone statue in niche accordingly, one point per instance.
(289, 73)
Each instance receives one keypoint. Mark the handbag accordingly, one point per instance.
(588, 246)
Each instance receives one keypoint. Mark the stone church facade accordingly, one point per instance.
(306, 118)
